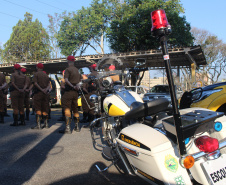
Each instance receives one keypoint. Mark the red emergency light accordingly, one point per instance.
(160, 25)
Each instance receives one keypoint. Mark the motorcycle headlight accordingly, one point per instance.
(93, 98)
(201, 95)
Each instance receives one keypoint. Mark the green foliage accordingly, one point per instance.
(54, 25)
(85, 28)
(28, 42)
(130, 30)
(126, 25)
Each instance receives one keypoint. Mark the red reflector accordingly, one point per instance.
(207, 144)
(159, 20)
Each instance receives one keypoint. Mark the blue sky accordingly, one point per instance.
(203, 14)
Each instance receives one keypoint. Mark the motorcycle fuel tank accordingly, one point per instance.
(119, 103)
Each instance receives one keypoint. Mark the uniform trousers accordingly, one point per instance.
(17, 100)
(41, 102)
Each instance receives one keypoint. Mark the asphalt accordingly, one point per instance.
(41, 157)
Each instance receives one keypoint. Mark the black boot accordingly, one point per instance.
(2, 117)
(5, 113)
(77, 124)
(27, 114)
(22, 122)
(38, 122)
(15, 118)
(46, 125)
(67, 129)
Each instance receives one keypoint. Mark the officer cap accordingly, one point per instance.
(40, 66)
(23, 70)
(71, 58)
(17, 66)
(112, 67)
(93, 66)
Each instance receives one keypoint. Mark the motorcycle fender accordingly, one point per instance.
(152, 155)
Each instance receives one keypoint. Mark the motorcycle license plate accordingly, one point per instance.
(215, 170)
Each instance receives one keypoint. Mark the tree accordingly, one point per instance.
(86, 28)
(215, 53)
(28, 42)
(53, 28)
(130, 30)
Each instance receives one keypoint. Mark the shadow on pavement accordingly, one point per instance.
(93, 177)
(20, 155)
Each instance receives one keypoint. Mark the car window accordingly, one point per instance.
(160, 89)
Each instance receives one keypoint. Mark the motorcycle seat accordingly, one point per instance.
(147, 108)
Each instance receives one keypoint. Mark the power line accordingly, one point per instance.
(24, 7)
(49, 5)
(10, 15)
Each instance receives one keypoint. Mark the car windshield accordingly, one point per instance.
(160, 89)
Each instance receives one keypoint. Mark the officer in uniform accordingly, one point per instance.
(113, 77)
(27, 94)
(41, 96)
(18, 86)
(70, 98)
(3, 85)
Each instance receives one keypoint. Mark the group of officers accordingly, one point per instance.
(21, 87)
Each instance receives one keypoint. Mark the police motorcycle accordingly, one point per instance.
(187, 147)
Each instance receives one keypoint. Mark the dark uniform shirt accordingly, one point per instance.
(19, 80)
(73, 75)
(41, 79)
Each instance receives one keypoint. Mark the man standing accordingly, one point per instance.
(3, 84)
(70, 97)
(41, 97)
(18, 86)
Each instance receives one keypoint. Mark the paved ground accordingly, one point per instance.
(44, 156)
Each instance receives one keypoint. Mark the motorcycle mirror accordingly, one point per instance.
(84, 71)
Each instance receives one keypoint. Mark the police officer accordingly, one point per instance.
(113, 77)
(27, 94)
(70, 97)
(41, 96)
(18, 86)
(3, 85)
